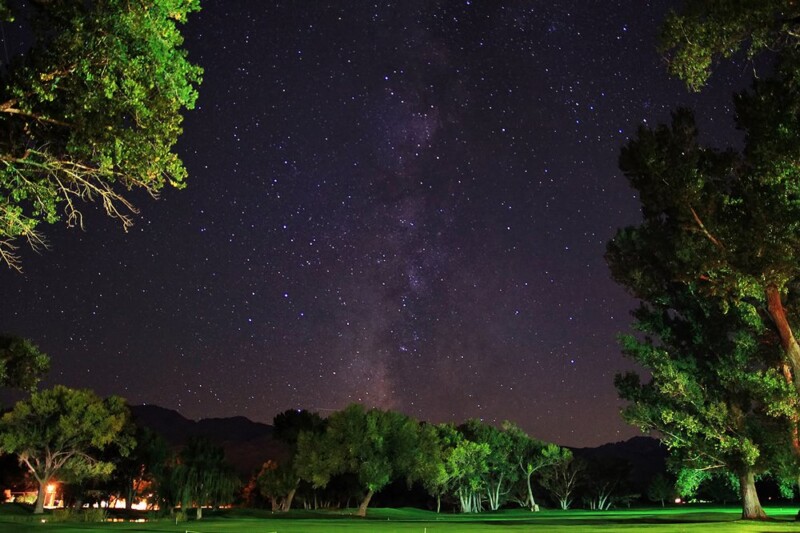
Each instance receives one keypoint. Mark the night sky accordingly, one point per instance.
(404, 204)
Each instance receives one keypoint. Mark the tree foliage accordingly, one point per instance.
(708, 30)
(532, 456)
(715, 394)
(501, 468)
(726, 223)
(376, 446)
(563, 480)
(716, 259)
(475, 463)
(468, 468)
(60, 431)
(660, 489)
(278, 481)
(203, 477)
(143, 470)
(21, 363)
(91, 110)
(436, 444)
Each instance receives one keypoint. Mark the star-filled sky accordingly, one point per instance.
(404, 204)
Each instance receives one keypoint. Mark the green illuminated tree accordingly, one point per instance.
(376, 446)
(725, 223)
(278, 483)
(61, 431)
(21, 363)
(708, 30)
(716, 394)
(90, 111)
(502, 470)
(729, 218)
(468, 466)
(532, 456)
(436, 444)
(718, 251)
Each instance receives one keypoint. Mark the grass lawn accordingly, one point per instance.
(688, 518)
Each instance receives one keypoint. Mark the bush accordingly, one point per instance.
(25, 498)
(63, 515)
(94, 515)
(83, 515)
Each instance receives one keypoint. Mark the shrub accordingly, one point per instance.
(94, 515)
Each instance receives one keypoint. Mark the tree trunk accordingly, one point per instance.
(790, 347)
(466, 501)
(531, 501)
(438, 503)
(362, 508)
(751, 507)
(494, 494)
(287, 503)
(199, 512)
(39, 509)
(129, 495)
(791, 350)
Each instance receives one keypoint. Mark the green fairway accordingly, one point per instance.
(690, 519)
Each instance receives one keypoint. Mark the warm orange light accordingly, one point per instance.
(51, 488)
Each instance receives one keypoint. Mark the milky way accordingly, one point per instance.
(404, 204)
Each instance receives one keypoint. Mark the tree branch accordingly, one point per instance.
(37, 117)
(705, 231)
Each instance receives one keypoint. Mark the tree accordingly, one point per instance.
(501, 471)
(21, 363)
(532, 456)
(278, 483)
(467, 467)
(436, 445)
(744, 206)
(660, 489)
(715, 394)
(376, 446)
(203, 476)
(712, 259)
(281, 480)
(722, 226)
(144, 467)
(55, 430)
(563, 479)
(91, 110)
(608, 483)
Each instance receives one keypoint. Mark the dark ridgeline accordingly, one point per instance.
(247, 444)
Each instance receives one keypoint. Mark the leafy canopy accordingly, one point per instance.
(21, 363)
(706, 30)
(62, 430)
(91, 110)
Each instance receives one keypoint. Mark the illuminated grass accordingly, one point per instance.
(688, 519)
